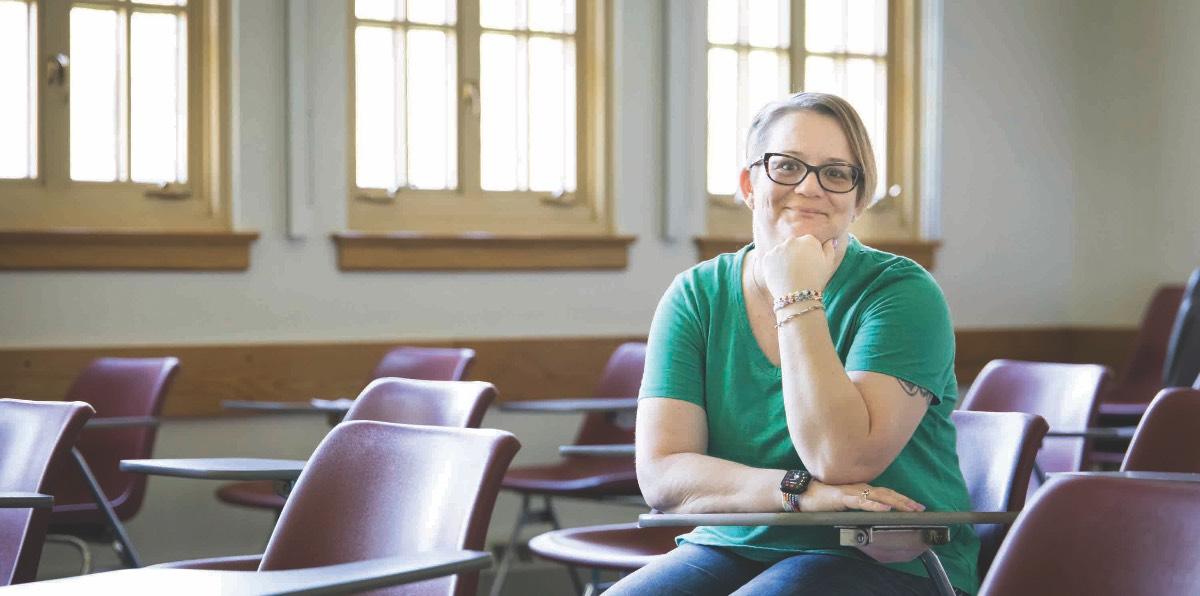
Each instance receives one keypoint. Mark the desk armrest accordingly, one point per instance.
(831, 519)
(1098, 432)
(235, 563)
(572, 406)
(25, 500)
(618, 450)
(346, 578)
(122, 422)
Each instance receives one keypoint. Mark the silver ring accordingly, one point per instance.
(866, 493)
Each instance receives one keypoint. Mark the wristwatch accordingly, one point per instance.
(794, 483)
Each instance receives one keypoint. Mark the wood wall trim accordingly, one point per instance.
(921, 251)
(70, 249)
(358, 251)
(521, 368)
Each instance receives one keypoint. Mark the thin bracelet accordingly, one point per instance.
(796, 314)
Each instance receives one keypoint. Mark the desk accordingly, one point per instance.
(618, 450)
(585, 405)
(283, 471)
(1098, 432)
(888, 537)
(21, 500)
(1120, 409)
(1163, 476)
(313, 406)
(344, 578)
(122, 422)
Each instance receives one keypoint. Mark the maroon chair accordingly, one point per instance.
(584, 477)
(115, 387)
(1141, 377)
(996, 451)
(1102, 537)
(405, 362)
(1064, 394)
(1183, 348)
(35, 444)
(1168, 437)
(375, 489)
(460, 404)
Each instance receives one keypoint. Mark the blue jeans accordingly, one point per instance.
(694, 570)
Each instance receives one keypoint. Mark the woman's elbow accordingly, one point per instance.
(845, 470)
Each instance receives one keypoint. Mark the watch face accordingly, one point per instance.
(795, 481)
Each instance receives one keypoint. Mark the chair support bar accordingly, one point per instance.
(896, 544)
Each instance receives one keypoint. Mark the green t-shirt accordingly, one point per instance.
(887, 315)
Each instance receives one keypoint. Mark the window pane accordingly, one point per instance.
(498, 14)
(18, 116)
(769, 23)
(96, 82)
(551, 105)
(723, 158)
(866, 90)
(433, 12)
(432, 119)
(825, 25)
(552, 15)
(380, 10)
(767, 80)
(501, 115)
(722, 21)
(376, 104)
(867, 31)
(158, 98)
(823, 75)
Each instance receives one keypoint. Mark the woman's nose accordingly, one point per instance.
(809, 187)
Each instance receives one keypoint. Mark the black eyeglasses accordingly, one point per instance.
(785, 170)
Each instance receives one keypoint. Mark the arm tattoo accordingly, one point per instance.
(914, 390)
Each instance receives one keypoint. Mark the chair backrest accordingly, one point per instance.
(460, 404)
(430, 364)
(622, 377)
(1168, 437)
(375, 489)
(1064, 394)
(114, 387)
(1102, 536)
(1182, 366)
(996, 451)
(35, 443)
(1141, 376)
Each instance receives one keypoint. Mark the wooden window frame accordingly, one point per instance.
(53, 222)
(576, 224)
(895, 220)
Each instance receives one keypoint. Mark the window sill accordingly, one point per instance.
(84, 249)
(921, 251)
(478, 252)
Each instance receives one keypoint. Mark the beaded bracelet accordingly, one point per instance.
(797, 296)
(783, 321)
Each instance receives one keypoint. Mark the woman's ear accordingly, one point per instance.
(745, 188)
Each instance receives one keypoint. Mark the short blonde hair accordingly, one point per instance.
(829, 105)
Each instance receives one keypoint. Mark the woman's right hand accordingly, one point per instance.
(841, 497)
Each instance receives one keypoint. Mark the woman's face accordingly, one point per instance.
(781, 211)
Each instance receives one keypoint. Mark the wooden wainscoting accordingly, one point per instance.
(521, 368)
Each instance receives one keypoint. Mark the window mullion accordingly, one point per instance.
(125, 99)
(54, 108)
(469, 141)
(798, 53)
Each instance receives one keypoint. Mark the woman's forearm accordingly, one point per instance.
(695, 483)
(828, 419)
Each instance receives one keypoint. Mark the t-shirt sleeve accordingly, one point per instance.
(675, 347)
(906, 333)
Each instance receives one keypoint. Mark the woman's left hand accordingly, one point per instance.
(803, 263)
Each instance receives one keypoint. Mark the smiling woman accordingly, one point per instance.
(806, 372)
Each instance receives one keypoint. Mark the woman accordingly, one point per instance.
(806, 372)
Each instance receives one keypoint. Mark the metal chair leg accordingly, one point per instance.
(85, 553)
(511, 549)
(127, 553)
(937, 573)
(547, 515)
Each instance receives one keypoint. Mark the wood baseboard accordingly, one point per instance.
(521, 368)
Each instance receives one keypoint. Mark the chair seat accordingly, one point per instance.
(617, 547)
(259, 494)
(581, 476)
